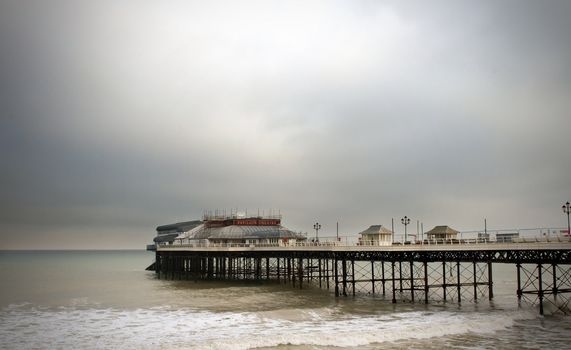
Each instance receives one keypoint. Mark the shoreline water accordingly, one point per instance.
(104, 299)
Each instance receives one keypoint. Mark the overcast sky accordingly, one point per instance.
(118, 116)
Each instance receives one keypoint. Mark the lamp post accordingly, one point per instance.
(566, 210)
(405, 221)
(317, 227)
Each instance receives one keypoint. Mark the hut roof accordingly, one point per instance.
(376, 229)
(442, 230)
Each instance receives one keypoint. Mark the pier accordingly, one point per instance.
(454, 271)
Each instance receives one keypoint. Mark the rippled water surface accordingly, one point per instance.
(105, 300)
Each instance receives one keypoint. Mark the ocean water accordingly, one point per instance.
(105, 300)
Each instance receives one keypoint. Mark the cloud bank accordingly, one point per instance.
(118, 116)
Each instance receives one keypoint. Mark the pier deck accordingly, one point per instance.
(538, 246)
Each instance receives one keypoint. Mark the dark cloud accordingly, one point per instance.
(120, 116)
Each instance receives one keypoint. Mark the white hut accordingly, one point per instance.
(442, 233)
(376, 235)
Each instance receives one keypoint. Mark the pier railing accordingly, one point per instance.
(351, 241)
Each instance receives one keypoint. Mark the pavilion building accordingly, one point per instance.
(229, 230)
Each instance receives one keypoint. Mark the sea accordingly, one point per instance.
(106, 300)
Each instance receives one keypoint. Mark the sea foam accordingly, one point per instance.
(29, 327)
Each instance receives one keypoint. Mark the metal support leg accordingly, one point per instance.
(336, 278)
(412, 281)
(540, 291)
(475, 281)
(289, 276)
(344, 270)
(319, 271)
(458, 286)
(425, 282)
(490, 282)
(383, 275)
(327, 272)
(300, 270)
(400, 275)
(555, 290)
(157, 265)
(518, 291)
(444, 280)
(373, 276)
(278, 269)
(309, 270)
(393, 279)
(353, 275)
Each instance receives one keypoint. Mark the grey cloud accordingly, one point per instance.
(120, 116)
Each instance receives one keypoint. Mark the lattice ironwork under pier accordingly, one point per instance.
(403, 276)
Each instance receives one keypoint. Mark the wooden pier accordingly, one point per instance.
(404, 273)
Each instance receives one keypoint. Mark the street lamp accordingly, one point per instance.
(566, 210)
(405, 221)
(317, 227)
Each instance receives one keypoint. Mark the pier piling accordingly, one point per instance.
(419, 275)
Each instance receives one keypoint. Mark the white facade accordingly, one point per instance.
(376, 235)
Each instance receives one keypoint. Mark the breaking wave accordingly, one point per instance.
(26, 326)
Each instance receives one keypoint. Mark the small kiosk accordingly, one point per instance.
(376, 235)
(442, 233)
